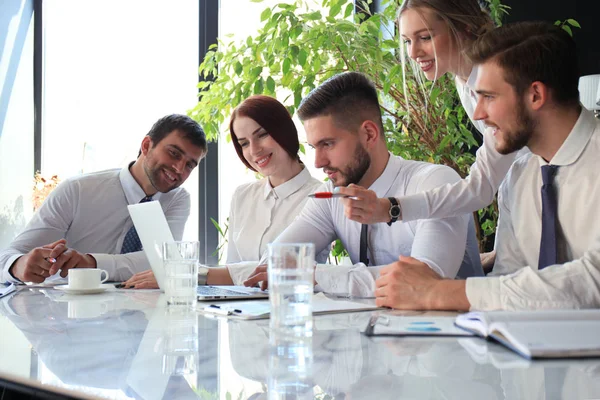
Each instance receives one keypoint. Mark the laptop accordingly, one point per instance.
(152, 228)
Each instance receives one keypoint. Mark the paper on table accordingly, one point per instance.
(381, 324)
(254, 309)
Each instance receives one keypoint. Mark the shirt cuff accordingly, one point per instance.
(414, 207)
(239, 272)
(6, 275)
(106, 262)
(484, 293)
(332, 278)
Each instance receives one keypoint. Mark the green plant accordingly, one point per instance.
(567, 24)
(298, 47)
(338, 251)
(222, 238)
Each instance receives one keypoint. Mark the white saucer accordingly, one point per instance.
(99, 289)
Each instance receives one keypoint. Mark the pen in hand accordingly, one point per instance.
(326, 195)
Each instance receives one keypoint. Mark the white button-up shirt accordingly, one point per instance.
(575, 283)
(440, 243)
(90, 212)
(258, 214)
(479, 188)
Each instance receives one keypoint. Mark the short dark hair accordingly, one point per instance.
(529, 52)
(186, 126)
(271, 115)
(350, 97)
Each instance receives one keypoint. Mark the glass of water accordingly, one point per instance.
(291, 283)
(180, 260)
(290, 367)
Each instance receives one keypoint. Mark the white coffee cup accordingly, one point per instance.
(86, 308)
(86, 278)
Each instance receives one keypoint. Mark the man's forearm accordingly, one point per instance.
(218, 276)
(449, 294)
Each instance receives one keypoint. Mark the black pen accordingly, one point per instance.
(222, 311)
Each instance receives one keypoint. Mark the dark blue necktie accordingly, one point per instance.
(363, 245)
(548, 245)
(132, 242)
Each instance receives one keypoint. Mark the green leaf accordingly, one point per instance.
(574, 23)
(237, 67)
(302, 57)
(286, 66)
(270, 85)
(567, 29)
(297, 98)
(258, 86)
(256, 71)
(302, 149)
(335, 10)
(216, 224)
(313, 16)
(349, 10)
(265, 14)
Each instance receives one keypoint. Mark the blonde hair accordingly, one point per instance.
(464, 19)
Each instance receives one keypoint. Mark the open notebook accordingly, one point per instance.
(539, 334)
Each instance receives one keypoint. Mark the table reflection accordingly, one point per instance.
(128, 345)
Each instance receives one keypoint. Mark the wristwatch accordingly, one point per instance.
(395, 210)
(202, 275)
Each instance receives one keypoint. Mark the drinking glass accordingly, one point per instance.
(291, 284)
(180, 260)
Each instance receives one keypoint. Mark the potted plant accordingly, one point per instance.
(297, 48)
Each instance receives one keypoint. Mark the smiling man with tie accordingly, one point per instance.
(548, 238)
(343, 123)
(84, 222)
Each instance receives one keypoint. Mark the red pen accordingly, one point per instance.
(326, 195)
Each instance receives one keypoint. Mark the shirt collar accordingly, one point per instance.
(133, 191)
(472, 78)
(382, 185)
(577, 140)
(287, 188)
(467, 86)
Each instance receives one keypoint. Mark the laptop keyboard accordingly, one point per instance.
(216, 291)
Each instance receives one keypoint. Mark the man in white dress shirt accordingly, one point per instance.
(343, 123)
(548, 239)
(84, 222)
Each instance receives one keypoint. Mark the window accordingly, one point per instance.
(112, 68)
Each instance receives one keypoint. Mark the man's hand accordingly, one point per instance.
(72, 259)
(487, 261)
(363, 205)
(43, 262)
(409, 284)
(258, 275)
(406, 284)
(142, 280)
(36, 265)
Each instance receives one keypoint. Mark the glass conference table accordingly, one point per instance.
(125, 344)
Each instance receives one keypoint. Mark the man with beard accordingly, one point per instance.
(84, 222)
(548, 239)
(343, 123)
